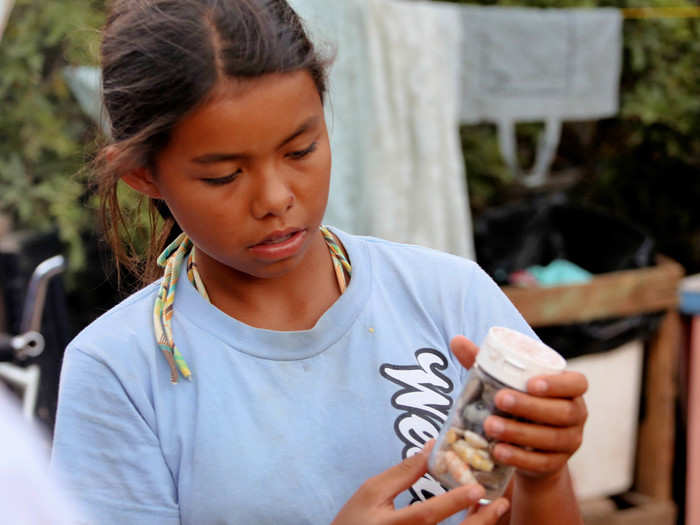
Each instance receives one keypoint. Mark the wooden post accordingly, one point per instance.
(655, 450)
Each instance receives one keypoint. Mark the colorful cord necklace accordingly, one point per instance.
(172, 258)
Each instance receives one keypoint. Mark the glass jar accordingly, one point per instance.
(463, 452)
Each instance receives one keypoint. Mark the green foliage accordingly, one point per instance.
(44, 137)
(644, 165)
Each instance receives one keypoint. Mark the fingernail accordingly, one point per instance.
(540, 386)
(507, 400)
(495, 427)
(475, 492)
(501, 507)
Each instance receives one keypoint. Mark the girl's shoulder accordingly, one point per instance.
(407, 257)
(126, 326)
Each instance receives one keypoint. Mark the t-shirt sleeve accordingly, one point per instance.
(488, 306)
(105, 452)
(485, 305)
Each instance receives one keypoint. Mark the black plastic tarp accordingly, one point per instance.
(539, 230)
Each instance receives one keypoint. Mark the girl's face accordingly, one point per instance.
(247, 174)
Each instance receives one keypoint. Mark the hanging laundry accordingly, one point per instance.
(5, 8)
(86, 82)
(393, 108)
(539, 65)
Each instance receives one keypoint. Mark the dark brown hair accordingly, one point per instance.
(160, 60)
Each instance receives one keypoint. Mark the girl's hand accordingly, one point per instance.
(373, 503)
(555, 411)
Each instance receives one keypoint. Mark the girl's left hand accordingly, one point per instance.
(556, 413)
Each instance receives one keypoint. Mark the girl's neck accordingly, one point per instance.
(293, 301)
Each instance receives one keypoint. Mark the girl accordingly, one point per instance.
(279, 371)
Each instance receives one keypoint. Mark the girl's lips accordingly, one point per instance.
(280, 245)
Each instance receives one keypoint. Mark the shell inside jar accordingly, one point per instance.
(465, 452)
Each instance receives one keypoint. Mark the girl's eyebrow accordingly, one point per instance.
(212, 158)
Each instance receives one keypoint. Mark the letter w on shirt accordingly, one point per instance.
(423, 401)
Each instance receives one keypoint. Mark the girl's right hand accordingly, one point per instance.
(373, 503)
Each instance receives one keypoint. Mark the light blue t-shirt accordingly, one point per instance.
(276, 427)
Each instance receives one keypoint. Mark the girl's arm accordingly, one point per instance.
(541, 502)
(544, 501)
(105, 450)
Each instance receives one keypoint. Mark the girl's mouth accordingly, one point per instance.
(278, 240)
(280, 244)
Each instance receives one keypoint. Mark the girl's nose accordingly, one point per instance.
(273, 196)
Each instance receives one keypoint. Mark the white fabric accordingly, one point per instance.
(5, 8)
(86, 82)
(398, 170)
(26, 380)
(524, 65)
(27, 495)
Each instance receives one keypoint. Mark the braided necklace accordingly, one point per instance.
(181, 250)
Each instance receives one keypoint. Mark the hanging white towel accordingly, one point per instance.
(5, 8)
(398, 170)
(549, 65)
(86, 84)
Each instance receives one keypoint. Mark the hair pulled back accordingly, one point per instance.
(160, 60)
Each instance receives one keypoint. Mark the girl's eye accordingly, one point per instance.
(217, 181)
(296, 155)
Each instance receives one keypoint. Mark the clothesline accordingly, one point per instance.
(660, 12)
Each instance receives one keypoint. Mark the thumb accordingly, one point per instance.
(464, 350)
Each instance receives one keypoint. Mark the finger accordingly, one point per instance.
(388, 484)
(567, 384)
(490, 514)
(549, 411)
(439, 507)
(533, 462)
(464, 350)
(540, 437)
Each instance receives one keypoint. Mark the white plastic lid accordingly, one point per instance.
(514, 358)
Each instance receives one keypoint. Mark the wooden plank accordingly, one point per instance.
(692, 484)
(655, 448)
(638, 509)
(614, 294)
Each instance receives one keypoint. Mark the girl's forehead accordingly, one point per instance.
(249, 111)
(248, 95)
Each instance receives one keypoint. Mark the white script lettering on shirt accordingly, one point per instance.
(424, 401)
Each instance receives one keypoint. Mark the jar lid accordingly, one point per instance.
(514, 358)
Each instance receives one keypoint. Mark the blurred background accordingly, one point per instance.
(614, 183)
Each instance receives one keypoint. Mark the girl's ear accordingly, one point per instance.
(141, 179)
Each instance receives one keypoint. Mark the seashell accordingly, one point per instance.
(459, 470)
(478, 459)
(452, 435)
(475, 440)
(476, 413)
(440, 464)
(492, 480)
(472, 391)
